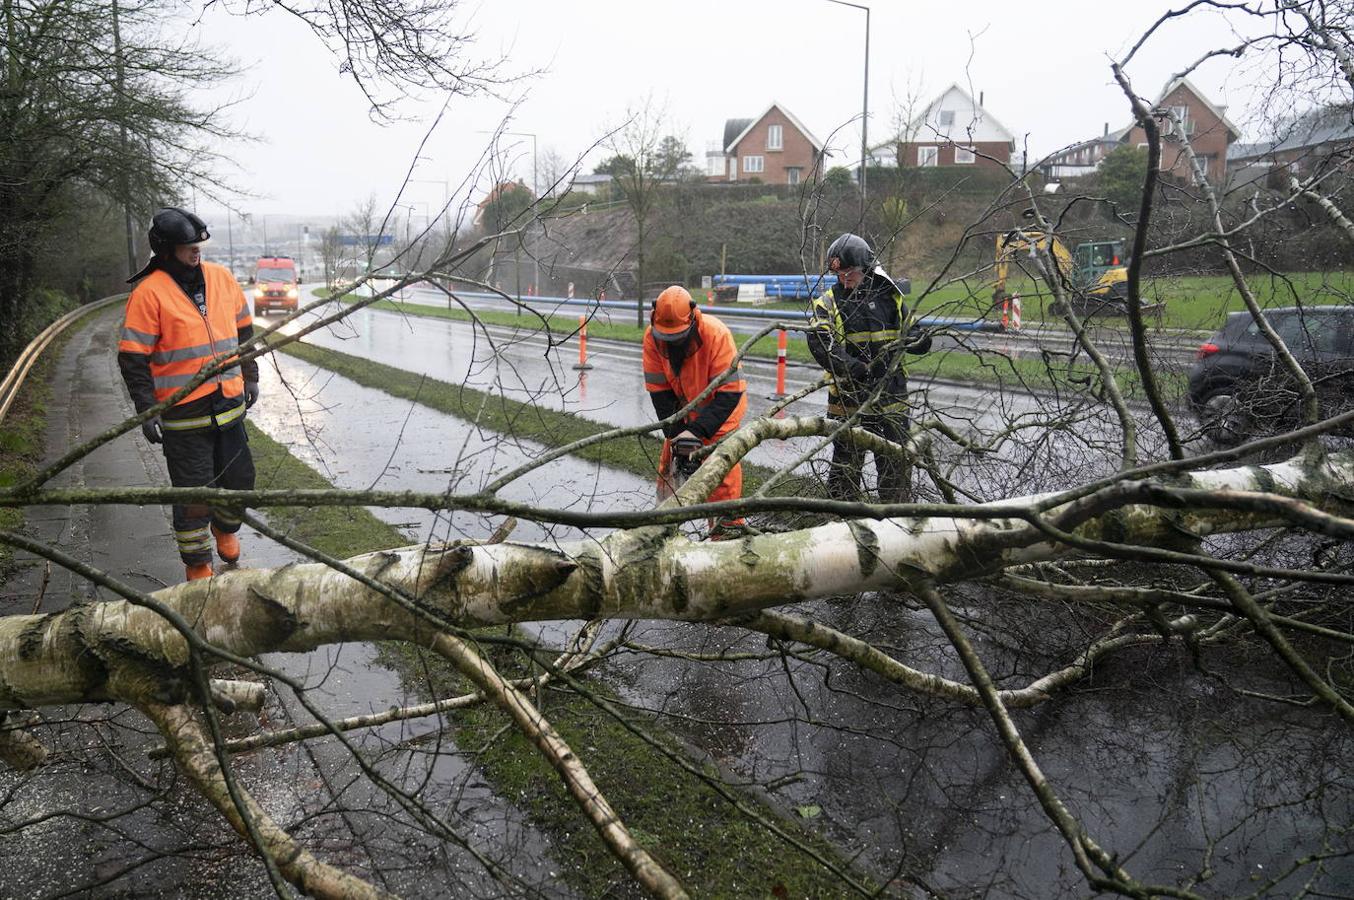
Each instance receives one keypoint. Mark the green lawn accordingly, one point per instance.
(1194, 302)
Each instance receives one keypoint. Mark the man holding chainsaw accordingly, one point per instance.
(684, 351)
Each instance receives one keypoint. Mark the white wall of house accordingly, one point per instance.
(955, 116)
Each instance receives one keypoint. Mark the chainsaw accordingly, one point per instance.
(684, 463)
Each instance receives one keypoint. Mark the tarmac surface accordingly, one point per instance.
(915, 787)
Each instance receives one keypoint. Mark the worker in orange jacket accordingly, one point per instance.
(183, 315)
(685, 350)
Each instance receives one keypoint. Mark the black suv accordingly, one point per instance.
(1238, 389)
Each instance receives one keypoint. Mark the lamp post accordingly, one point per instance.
(865, 102)
(446, 194)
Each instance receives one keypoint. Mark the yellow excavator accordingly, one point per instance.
(1094, 276)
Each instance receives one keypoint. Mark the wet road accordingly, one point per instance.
(1163, 766)
(523, 367)
(1163, 763)
(1170, 346)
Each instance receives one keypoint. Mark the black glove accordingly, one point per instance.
(878, 369)
(918, 340)
(152, 430)
(251, 393)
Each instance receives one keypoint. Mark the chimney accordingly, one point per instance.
(1107, 129)
(980, 98)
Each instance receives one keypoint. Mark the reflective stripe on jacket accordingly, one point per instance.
(710, 353)
(163, 323)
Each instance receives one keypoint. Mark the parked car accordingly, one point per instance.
(1239, 390)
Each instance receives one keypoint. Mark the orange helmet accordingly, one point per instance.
(674, 312)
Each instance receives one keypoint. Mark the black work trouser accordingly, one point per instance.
(848, 460)
(207, 457)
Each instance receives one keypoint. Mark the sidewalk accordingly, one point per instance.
(132, 543)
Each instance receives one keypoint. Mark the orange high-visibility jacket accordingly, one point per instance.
(165, 324)
(710, 354)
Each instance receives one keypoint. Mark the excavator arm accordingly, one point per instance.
(1030, 243)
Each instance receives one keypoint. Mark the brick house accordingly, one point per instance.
(774, 148)
(1205, 128)
(497, 191)
(952, 130)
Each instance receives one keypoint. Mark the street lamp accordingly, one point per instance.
(865, 103)
(427, 218)
(446, 194)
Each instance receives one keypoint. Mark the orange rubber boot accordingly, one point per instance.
(200, 570)
(227, 546)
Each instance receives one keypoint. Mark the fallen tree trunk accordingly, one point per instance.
(645, 573)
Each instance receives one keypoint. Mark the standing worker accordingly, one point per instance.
(856, 334)
(685, 350)
(182, 316)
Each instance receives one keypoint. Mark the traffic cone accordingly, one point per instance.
(583, 364)
(780, 367)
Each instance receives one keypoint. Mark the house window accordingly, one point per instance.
(946, 118)
(792, 175)
(963, 156)
(928, 156)
(1179, 123)
(1203, 164)
(775, 138)
(753, 165)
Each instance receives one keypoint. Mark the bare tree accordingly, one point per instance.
(1099, 652)
(644, 164)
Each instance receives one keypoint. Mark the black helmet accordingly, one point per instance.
(173, 226)
(851, 251)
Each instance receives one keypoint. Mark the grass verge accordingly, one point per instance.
(340, 531)
(21, 446)
(25, 425)
(675, 815)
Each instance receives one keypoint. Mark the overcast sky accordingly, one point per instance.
(1043, 70)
